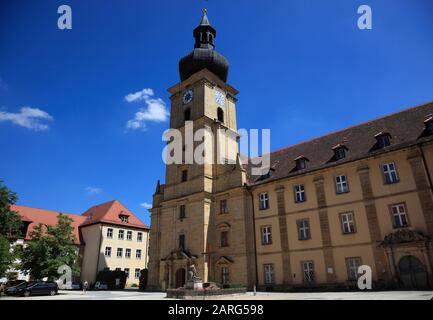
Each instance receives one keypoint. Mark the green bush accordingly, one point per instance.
(110, 276)
(143, 279)
(134, 285)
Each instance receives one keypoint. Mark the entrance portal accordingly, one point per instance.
(412, 273)
(180, 277)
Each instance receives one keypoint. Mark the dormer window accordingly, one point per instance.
(339, 151)
(301, 162)
(383, 139)
(429, 124)
(123, 218)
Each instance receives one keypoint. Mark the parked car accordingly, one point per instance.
(101, 285)
(11, 291)
(38, 288)
(75, 285)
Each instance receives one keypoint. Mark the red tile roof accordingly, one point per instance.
(46, 217)
(104, 213)
(110, 212)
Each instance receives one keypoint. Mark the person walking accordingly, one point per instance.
(85, 286)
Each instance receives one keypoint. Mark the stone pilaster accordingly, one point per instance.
(423, 188)
(284, 238)
(382, 267)
(328, 253)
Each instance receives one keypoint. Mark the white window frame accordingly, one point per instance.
(348, 222)
(109, 250)
(137, 273)
(128, 252)
(263, 201)
(352, 264)
(110, 232)
(299, 193)
(138, 254)
(121, 253)
(140, 236)
(121, 234)
(269, 273)
(341, 184)
(390, 173)
(304, 229)
(129, 235)
(124, 218)
(308, 275)
(399, 211)
(127, 271)
(266, 235)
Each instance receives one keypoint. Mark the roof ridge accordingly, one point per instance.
(42, 209)
(350, 127)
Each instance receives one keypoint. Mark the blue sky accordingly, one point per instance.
(303, 69)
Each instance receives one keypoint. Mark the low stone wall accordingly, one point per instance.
(191, 294)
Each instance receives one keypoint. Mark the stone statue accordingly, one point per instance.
(192, 273)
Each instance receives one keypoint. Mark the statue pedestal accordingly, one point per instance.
(194, 284)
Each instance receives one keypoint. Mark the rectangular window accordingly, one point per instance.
(225, 275)
(128, 235)
(182, 212)
(299, 193)
(108, 251)
(347, 222)
(118, 269)
(138, 253)
(263, 201)
(341, 184)
(352, 264)
(266, 235)
(182, 241)
(223, 206)
(184, 175)
(224, 239)
(119, 252)
(304, 229)
(390, 173)
(121, 234)
(269, 273)
(399, 215)
(110, 233)
(127, 272)
(308, 271)
(137, 273)
(106, 269)
(139, 236)
(128, 253)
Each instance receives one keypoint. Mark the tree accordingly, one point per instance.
(10, 221)
(49, 248)
(10, 227)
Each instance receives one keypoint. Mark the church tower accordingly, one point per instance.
(199, 214)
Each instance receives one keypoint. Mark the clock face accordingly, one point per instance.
(220, 98)
(187, 97)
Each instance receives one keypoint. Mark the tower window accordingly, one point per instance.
(220, 114)
(184, 175)
(182, 212)
(224, 240)
(187, 114)
(182, 242)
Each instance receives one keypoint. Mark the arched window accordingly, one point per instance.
(187, 114)
(220, 114)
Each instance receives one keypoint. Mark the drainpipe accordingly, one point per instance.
(254, 236)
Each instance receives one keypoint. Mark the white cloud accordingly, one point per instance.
(93, 190)
(146, 205)
(28, 117)
(155, 109)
